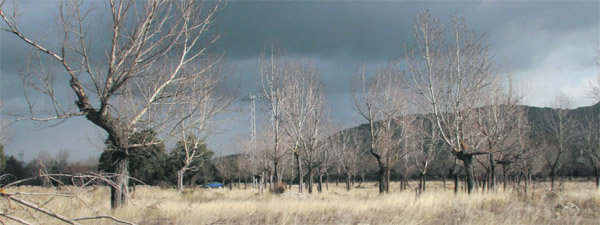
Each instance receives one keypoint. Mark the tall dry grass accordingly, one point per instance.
(153, 205)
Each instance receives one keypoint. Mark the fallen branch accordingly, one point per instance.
(15, 218)
(103, 217)
(39, 209)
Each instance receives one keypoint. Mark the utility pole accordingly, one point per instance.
(252, 99)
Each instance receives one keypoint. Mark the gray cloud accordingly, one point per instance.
(551, 45)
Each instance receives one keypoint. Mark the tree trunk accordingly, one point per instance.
(348, 177)
(455, 183)
(327, 181)
(504, 177)
(320, 188)
(310, 179)
(180, 180)
(424, 182)
(492, 181)
(271, 174)
(468, 162)
(120, 192)
(381, 179)
(597, 178)
(552, 174)
(420, 182)
(444, 182)
(300, 177)
(387, 179)
(261, 186)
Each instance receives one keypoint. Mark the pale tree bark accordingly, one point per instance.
(591, 132)
(5, 124)
(156, 52)
(347, 148)
(380, 101)
(303, 110)
(271, 77)
(452, 72)
(423, 141)
(560, 128)
(496, 124)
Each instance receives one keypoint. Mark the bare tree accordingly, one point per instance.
(381, 102)
(261, 156)
(156, 54)
(303, 110)
(227, 168)
(559, 133)
(451, 75)
(517, 151)
(272, 69)
(591, 133)
(346, 147)
(423, 147)
(5, 125)
(190, 154)
(206, 99)
(496, 122)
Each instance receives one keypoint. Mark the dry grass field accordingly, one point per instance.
(574, 203)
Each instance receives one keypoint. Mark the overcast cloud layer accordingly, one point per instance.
(550, 46)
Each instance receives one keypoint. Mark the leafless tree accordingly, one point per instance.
(206, 99)
(5, 125)
(190, 152)
(261, 156)
(346, 147)
(303, 110)
(589, 140)
(423, 142)
(227, 168)
(452, 72)
(496, 123)
(590, 132)
(559, 133)
(156, 54)
(272, 73)
(381, 102)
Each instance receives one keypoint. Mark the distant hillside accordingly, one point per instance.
(537, 118)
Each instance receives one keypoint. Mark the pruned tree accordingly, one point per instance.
(303, 110)
(380, 101)
(452, 72)
(156, 53)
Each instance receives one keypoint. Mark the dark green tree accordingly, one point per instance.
(189, 154)
(146, 162)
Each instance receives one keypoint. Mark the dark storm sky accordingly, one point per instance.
(550, 46)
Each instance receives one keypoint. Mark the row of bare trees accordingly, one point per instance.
(156, 71)
(447, 96)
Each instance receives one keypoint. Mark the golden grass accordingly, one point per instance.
(153, 205)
